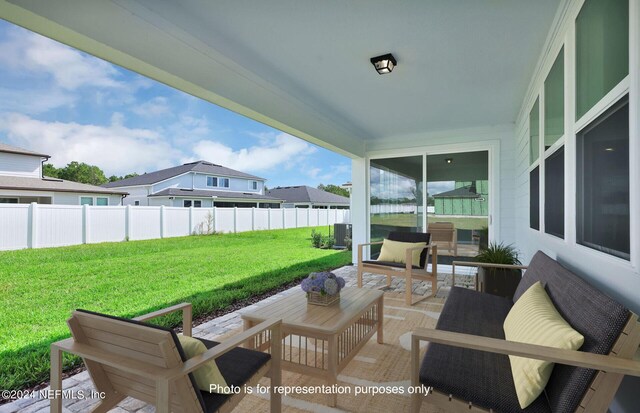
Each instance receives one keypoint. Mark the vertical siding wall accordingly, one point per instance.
(40, 226)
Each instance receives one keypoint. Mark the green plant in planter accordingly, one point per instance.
(499, 254)
(499, 281)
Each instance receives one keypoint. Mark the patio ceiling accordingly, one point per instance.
(303, 66)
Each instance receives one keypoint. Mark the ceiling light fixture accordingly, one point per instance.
(384, 64)
(449, 160)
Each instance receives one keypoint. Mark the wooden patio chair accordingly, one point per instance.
(445, 232)
(410, 270)
(132, 358)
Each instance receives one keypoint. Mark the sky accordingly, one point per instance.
(75, 107)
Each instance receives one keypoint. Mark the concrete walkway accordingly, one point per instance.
(215, 328)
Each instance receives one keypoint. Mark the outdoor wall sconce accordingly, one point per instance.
(384, 64)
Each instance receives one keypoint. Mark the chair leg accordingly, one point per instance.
(416, 402)
(408, 288)
(359, 276)
(434, 287)
(388, 280)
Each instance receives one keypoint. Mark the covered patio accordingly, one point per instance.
(548, 90)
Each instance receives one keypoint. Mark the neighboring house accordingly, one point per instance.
(308, 197)
(198, 184)
(22, 182)
(468, 198)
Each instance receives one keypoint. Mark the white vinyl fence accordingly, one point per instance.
(41, 226)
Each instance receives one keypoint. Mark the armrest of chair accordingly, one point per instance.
(187, 316)
(227, 345)
(608, 363)
(361, 249)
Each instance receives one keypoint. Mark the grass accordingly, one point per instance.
(39, 288)
(409, 220)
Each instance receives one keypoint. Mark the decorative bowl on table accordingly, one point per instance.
(322, 288)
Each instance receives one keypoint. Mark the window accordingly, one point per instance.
(603, 183)
(602, 50)
(86, 200)
(136, 203)
(223, 182)
(534, 133)
(554, 194)
(554, 102)
(212, 181)
(8, 200)
(253, 185)
(534, 198)
(188, 203)
(102, 201)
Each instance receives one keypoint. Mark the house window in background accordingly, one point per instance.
(212, 181)
(100, 201)
(223, 182)
(603, 219)
(86, 200)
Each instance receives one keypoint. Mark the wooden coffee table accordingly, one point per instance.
(320, 341)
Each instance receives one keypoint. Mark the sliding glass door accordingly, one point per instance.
(396, 196)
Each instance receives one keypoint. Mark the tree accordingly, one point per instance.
(334, 189)
(50, 170)
(83, 173)
(114, 178)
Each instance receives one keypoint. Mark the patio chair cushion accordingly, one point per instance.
(237, 366)
(480, 377)
(592, 313)
(403, 236)
(396, 251)
(208, 374)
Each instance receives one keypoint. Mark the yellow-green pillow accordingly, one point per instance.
(396, 251)
(533, 319)
(208, 374)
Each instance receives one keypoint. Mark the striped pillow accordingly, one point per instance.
(533, 319)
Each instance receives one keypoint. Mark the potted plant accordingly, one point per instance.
(498, 281)
(322, 288)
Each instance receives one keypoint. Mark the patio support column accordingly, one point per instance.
(359, 200)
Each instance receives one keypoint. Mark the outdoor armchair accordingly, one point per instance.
(132, 358)
(409, 270)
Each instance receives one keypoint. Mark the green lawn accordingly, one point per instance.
(39, 288)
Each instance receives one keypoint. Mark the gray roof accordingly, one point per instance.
(14, 149)
(307, 194)
(52, 184)
(204, 193)
(463, 192)
(164, 174)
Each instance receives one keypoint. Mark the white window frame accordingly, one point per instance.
(94, 199)
(212, 178)
(193, 203)
(253, 185)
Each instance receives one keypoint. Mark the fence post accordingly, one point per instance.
(284, 224)
(161, 221)
(253, 218)
(296, 211)
(215, 218)
(85, 224)
(235, 219)
(191, 230)
(32, 228)
(309, 215)
(127, 223)
(268, 218)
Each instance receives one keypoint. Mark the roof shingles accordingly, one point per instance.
(307, 194)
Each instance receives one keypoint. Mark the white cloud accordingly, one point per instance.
(327, 176)
(156, 107)
(281, 150)
(115, 148)
(34, 101)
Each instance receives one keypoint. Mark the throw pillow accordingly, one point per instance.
(396, 251)
(533, 319)
(208, 374)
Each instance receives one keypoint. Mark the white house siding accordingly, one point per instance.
(73, 198)
(136, 193)
(20, 165)
(199, 181)
(618, 278)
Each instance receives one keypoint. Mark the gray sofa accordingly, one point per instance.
(483, 378)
